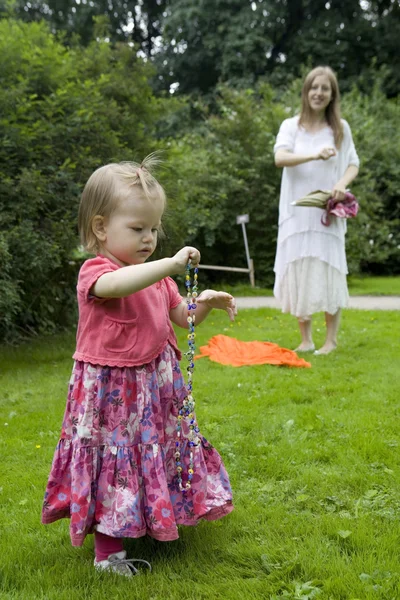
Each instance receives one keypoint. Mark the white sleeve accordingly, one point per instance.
(351, 152)
(286, 135)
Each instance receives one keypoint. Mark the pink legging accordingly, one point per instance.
(105, 545)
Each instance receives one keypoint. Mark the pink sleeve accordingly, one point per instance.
(173, 293)
(90, 271)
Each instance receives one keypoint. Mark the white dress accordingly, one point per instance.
(310, 264)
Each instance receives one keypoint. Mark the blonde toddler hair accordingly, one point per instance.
(111, 184)
(332, 112)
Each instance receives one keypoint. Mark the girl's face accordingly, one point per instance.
(320, 94)
(129, 235)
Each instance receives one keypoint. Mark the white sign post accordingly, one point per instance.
(242, 220)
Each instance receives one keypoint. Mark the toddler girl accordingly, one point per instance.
(122, 467)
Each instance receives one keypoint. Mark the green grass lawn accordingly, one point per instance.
(374, 286)
(313, 456)
(358, 286)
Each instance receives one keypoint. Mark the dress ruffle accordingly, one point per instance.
(326, 246)
(310, 285)
(114, 467)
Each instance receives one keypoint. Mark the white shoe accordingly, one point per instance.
(118, 563)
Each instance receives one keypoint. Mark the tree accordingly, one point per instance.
(120, 20)
(239, 41)
(197, 44)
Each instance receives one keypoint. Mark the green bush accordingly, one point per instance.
(65, 111)
(373, 238)
(223, 169)
(9, 297)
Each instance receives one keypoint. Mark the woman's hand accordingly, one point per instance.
(220, 300)
(325, 154)
(338, 192)
(183, 256)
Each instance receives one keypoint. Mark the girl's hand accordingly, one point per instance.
(325, 154)
(183, 256)
(338, 192)
(220, 300)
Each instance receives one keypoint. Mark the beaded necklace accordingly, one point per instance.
(186, 413)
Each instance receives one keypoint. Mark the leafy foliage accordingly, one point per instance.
(239, 42)
(65, 112)
(226, 170)
(119, 21)
(201, 43)
(373, 239)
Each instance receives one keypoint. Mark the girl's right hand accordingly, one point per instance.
(325, 154)
(183, 256)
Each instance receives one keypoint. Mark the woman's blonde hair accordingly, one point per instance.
(111, 184)
(332, 112)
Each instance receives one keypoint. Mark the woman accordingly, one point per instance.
(317, 151)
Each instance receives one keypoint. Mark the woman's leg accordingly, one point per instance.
(332, 326)
(307, 344)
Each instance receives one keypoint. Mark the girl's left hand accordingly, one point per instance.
(220, 300)
(338, 192)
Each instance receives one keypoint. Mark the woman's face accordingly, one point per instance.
(320, 94)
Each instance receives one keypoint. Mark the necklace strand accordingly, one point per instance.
(186, 412)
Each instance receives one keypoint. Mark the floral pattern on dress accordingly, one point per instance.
(114, 466)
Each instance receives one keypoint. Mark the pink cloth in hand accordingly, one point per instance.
(346, 208)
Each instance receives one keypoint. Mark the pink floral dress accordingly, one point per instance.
(114, 467)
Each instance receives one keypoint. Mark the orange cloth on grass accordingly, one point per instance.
(230, 351)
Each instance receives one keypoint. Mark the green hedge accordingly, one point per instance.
(64, 113)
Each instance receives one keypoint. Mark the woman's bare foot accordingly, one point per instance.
(305, 347)
(327, 348)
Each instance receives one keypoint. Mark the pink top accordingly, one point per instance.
(123, 332)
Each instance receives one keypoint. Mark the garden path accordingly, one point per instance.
(359, 302)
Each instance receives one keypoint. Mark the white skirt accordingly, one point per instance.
(310, 285)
